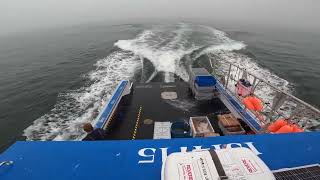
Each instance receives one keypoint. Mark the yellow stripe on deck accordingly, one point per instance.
(137, 124)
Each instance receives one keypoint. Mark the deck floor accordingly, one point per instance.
(146, 103)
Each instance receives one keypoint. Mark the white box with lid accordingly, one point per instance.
(230, 163)
(200, 126)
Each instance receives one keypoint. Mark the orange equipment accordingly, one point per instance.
(285, 129)
(253, 103)
(274, 127)
(296, 128)
(282, 126)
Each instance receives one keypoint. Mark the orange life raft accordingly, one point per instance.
(282, 126)
(274, 127)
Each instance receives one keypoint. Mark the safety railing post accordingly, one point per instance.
(228, 77)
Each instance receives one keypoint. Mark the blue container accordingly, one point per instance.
(180, 129)
(205, 81)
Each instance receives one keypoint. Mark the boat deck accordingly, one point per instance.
(138, 111)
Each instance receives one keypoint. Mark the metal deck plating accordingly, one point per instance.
(145, 102)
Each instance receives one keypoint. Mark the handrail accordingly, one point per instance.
(227, 75)
(279, 90)
(104, 116)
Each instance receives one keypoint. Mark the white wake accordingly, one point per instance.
(75, 107)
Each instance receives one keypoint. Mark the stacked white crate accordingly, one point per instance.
(200, 93)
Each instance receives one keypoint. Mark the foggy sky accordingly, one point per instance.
(23, 15)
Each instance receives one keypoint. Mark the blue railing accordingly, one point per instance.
(251, 121)
(107, 111)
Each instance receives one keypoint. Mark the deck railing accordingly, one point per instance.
(277, 103)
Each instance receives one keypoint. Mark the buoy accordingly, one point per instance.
(282, 126)
(277, 125)
(285, 129)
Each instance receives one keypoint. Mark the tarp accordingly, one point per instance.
(142, 159)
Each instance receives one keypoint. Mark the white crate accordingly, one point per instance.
(162, 130)
(200, 126)
(236, 163)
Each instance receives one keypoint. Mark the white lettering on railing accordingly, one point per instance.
(253, 148)
(148, 154)
(183, 149)
(164, 152)
(199, 148)
(142, 153)
(217, 146)
(230, 145)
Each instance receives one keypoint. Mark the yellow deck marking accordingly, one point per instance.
(108, 122)
(137, 123)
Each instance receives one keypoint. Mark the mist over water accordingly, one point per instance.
(88, 63)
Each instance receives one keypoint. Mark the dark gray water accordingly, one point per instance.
(37, 68)
(52, 81)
